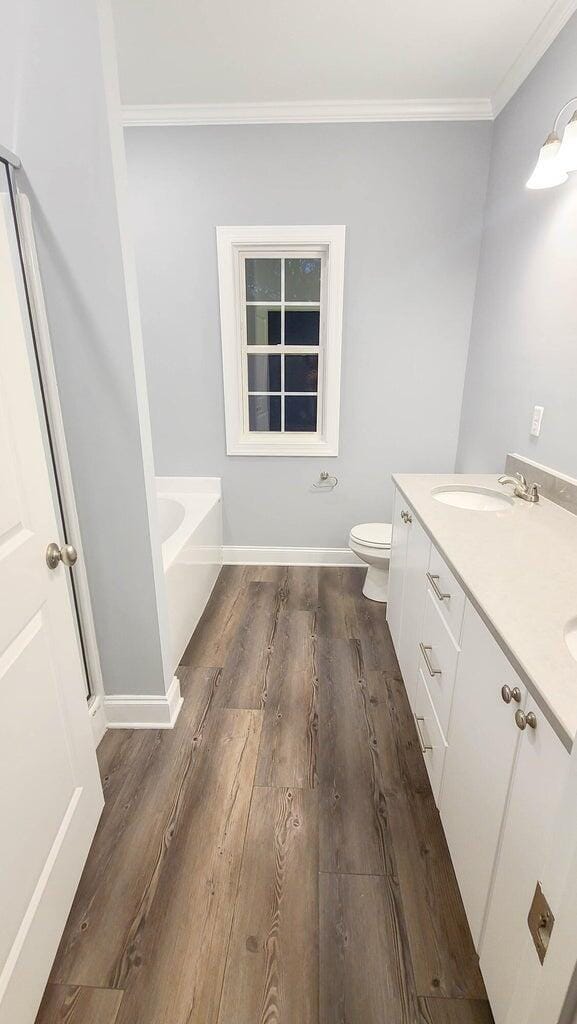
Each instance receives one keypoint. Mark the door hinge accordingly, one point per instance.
(540, 920)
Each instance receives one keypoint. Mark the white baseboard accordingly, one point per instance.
(289, 556)
(143, 711)
(97, 718)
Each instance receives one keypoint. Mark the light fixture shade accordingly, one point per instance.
(549, 170)
(568, 151)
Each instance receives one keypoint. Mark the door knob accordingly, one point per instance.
(525, 719)
(67, 554)
(509, 694)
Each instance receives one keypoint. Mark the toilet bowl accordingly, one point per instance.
(372, 543)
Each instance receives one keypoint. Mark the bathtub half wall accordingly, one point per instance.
(190, 515)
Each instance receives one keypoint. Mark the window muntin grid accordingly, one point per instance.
(266, 314)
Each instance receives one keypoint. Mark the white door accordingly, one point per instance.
(50, 795)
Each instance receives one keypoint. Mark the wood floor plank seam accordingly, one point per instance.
(236, 895)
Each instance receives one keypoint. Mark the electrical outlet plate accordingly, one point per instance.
(537, 420)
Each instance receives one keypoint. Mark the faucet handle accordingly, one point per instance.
(522, 480)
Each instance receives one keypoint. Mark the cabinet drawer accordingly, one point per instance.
(438, 660)
(433, 744)
(447, 593)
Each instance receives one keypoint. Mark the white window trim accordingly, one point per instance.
(232, 243)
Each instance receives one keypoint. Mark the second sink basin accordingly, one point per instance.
(476, 499)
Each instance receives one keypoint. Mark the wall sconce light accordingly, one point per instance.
(558, 154)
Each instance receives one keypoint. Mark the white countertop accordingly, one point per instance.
(518, 567)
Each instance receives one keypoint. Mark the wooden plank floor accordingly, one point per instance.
(277, 858)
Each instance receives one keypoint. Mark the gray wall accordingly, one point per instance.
(524, 339)
(54, 117)
(411, 196)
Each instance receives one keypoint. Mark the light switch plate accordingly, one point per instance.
(537, 420)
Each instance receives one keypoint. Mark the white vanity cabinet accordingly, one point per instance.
(539, 776)
(482, 743)
(498, 785)
(410, 551)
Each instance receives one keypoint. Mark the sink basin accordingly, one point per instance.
(571, 637)
(475, 499)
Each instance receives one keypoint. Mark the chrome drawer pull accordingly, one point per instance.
(425, 652)
(437, 592)
(424, 746)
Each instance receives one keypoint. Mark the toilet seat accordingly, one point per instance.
(373, 535)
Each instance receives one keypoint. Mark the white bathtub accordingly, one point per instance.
(190, 516)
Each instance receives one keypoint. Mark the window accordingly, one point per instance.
(281, 294)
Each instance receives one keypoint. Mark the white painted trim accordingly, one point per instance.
(143, 711)
(57, 433)
(97, 718)
(232, 242)
(549, 28)
(309, 112)
(477, 108)
(289, 556)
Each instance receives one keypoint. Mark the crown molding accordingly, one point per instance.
(361, 111)
(546, 32)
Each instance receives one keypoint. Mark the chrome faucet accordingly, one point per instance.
(528, 492)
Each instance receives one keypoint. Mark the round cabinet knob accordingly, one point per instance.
(509, 694)
(404, 516)
(524, 719)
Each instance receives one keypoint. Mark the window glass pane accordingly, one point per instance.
(302, 280)
(301, 326)
(262, 280)
(301, 373)
(264, 373)
(264, 412)
(262, 325)
(300, 412)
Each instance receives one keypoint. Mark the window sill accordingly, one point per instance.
(316, 447)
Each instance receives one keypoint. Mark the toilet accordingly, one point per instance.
(372, 543)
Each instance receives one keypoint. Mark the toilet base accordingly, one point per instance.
(376, 585)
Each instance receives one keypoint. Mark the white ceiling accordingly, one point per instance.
(265, 51)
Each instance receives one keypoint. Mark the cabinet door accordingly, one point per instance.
(414, 594)
(482, 742)
(397, 566)
(538, 779)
